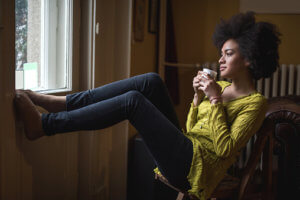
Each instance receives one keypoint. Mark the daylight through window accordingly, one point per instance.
(43, 44)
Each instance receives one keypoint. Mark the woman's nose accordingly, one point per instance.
(221, 60)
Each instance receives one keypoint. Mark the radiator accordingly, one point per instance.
(285, 81)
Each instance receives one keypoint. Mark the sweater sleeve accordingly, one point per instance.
(229, 139)
(192, 117)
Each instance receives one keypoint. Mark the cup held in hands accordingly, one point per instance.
(212, 73)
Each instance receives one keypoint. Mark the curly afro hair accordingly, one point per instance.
(258, 42)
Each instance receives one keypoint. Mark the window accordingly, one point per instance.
(43, 45)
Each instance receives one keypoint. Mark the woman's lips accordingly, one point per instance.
(222, 68)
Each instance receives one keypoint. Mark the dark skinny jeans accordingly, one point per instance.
(145, 102)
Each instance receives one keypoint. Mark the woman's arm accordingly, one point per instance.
(198, 97)
(191, 117)
(229, 139)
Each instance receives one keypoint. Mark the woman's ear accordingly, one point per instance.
(247, 63)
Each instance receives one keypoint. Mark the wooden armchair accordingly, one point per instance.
(280, 109)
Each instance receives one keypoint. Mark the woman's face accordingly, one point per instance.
(232, 63)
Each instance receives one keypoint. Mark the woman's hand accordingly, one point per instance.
(209, 87)
(196, 84)
(199, 94)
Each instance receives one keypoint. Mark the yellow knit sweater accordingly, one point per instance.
(218, 133)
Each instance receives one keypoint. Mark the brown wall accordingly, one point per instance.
(289, 26)
(143, 54)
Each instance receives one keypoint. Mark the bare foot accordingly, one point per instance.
(30, 116)
(51, 103)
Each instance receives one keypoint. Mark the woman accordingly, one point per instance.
(222, 117)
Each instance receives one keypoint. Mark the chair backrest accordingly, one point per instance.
(285, 109)
(263, 143)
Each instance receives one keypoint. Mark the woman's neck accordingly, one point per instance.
(243, 85)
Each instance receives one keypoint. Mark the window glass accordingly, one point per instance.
(43, 44)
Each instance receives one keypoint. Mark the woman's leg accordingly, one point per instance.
(169, 147)
(153, 116)
(150, 85)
